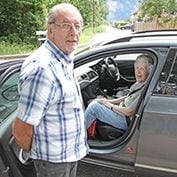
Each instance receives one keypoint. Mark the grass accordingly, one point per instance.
(10, 49)
(88, 33)
(7, 48)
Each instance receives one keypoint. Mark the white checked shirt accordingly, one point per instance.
(50, 100)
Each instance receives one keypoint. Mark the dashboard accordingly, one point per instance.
(88, 77)
(89, 83)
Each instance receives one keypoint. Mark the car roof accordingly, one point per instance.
(165, 31)
(166, 34)
(127, 44)
(151, 35)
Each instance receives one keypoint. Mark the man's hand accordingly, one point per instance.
(23, 134)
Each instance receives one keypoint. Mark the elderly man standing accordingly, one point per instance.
(50, 117)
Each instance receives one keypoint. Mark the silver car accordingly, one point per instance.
(148, 147)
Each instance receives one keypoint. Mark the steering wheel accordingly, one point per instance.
(111, 69)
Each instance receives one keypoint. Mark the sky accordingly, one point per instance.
(121, 9)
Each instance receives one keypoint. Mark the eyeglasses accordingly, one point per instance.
(67, 26)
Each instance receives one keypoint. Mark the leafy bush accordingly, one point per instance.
(7, 48)
(88, 33)
(20, 19)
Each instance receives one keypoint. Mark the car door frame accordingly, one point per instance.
(120, 157)
(154, 156)
(11, 153)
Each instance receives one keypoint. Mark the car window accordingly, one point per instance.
(168, 80)
(8, 96)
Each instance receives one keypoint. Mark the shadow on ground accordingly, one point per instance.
(87, 170)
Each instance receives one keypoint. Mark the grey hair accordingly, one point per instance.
(53, 14)
(148, 60)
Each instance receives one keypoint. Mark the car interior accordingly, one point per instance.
(109, 77)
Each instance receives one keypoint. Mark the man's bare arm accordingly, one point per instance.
(23, 133)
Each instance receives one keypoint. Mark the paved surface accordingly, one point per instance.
(99, 38)
(110, 34)
(87, 170)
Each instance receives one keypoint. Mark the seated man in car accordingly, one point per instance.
(117, 112)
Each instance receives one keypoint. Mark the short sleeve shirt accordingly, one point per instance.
(51, 101)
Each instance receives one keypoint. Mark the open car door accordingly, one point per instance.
(13, 161)
(156, 153)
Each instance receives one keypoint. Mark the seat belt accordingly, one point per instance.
(134, 91)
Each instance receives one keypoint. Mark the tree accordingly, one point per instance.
(94, 12)
(20, 19)
(163, 10)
